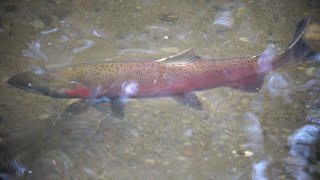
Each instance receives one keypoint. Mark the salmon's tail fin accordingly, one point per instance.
(298, 49)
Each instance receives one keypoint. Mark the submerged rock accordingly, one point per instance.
(304, 148)
(43, 116)
(307, 135)
(168, 17)
(37, 24)
(311, 71)
(314, 113)
(224, 19)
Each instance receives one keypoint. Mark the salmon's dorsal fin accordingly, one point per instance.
(185, 56)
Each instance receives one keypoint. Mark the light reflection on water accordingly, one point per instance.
(270, 134)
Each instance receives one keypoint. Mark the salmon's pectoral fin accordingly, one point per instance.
(190, 99)
(110, 106)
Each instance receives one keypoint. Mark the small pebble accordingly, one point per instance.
(38, 24)
(240, 11)
(72, 101)
(247, 153)
(166, 163)
(245, 101)
(150, 161)
(311, 71)
(234, 152)
(286, 130)
(43, 116)
(181, 158)
(187, 143)
(135, 133)
(188, 133)
(202, 143)
(243, 39)
(18, 98)
(301, 68)
(282, 177)
(224, 137)
(170, 49)
(187, 152)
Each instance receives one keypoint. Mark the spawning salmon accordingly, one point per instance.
(177, 76)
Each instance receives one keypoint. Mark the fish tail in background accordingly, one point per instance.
(298, 49)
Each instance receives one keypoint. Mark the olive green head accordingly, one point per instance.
(40, 82)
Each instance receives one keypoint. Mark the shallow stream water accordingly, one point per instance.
(270, 134)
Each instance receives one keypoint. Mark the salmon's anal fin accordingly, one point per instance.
(250, 84)
(110, 106)
(190, 99)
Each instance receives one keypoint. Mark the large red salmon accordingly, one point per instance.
(177, 76)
